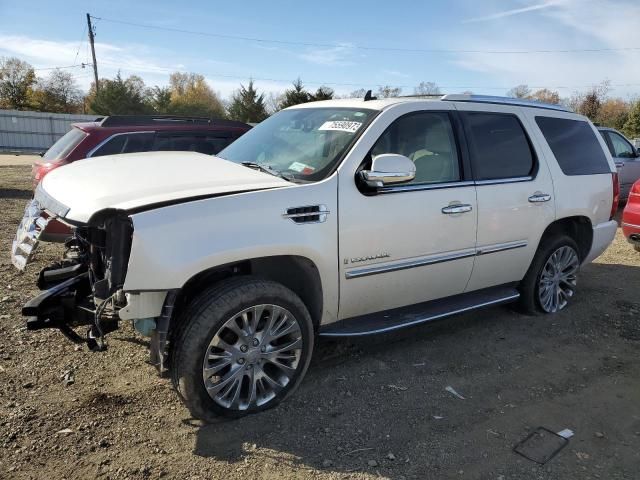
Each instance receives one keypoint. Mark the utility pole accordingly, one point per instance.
(93, 51)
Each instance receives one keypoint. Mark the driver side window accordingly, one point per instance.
(427, 139)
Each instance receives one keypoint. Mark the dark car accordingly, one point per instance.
(626, 157)
(128, 134)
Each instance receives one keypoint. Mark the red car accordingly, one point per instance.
(144, 133)
(631, 217)
(129, 134)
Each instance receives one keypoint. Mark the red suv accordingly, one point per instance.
(145, 133)
(129, 134)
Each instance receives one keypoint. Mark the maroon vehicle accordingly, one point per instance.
(143, 133)
(128, 134)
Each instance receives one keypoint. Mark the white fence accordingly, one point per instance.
(31, 132)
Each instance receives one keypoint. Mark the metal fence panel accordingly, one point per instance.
(34, 131)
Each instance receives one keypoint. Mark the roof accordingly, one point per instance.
(382, 103)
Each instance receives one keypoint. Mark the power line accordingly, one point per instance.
(78, 65)
(361, 47)
(80, 44)
(134, 67)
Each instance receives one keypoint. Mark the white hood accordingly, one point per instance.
(138, 179)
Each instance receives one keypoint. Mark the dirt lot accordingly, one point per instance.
(373, 408)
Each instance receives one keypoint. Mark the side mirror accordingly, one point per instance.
(389, 169)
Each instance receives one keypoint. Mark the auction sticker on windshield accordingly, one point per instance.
(341, 126)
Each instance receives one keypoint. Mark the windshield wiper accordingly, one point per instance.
(267, 169)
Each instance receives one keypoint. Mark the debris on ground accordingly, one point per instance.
(454, 393)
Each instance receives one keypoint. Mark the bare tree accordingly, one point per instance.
(273, 102)
(360, 93)
(388, 91)
(592, 101)
(519, 91)
(427, 88)
(545, 95)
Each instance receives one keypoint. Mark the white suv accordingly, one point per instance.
(335, 218)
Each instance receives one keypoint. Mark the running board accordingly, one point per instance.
(396, 318)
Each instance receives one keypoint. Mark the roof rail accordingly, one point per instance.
(504, 101)
(130, 120)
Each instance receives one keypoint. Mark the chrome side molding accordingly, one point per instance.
(433, 259)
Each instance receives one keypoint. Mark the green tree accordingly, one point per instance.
(323, 93)
(632, 125)
(16, 81)
(613, 113)
(119, 97)
(247, 106)
(159, 99)
(295, 95)
(58, 93)
(191, 95)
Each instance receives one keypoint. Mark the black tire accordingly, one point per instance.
(205, 317)
(529, 301)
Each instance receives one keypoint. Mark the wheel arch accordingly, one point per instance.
(578, 227)
(297, 273)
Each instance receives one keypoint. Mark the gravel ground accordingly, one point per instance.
(372, 408)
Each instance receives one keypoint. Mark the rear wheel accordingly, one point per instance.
(550, 282)
(246, 347)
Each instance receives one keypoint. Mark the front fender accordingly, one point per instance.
(174, 243)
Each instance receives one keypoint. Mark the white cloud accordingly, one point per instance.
(511, 12)
(44, 54)
(572, 24)
(340, 55)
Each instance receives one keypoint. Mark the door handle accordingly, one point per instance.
(457, 208)
(539, 197)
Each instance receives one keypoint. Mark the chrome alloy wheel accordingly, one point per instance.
(252, 357)
(558, 279)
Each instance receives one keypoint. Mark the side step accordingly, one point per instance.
(396, 318)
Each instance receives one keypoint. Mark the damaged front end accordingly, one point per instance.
(85, 287)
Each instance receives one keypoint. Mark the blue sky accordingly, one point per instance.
(49, 34)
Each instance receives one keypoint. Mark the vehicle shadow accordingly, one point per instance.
(15, 193)
(374, 404)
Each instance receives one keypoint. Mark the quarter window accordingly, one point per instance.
(498, 145)
(426, 138)
(575, 146)
(621, 148)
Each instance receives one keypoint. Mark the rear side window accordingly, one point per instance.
(499, 146)
(208, 144)
(125, 143)
(575, 146)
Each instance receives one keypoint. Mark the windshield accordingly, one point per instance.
(300, 144)
(64, 145)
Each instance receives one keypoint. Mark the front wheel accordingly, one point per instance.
(246, 346)
(550, 282)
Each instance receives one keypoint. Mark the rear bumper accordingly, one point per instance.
(632, 232)
(603, 235)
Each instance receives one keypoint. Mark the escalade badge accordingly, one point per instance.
(366, 258)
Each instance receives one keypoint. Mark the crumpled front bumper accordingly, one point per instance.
(31, 227)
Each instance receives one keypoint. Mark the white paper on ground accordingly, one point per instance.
(566, 433)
